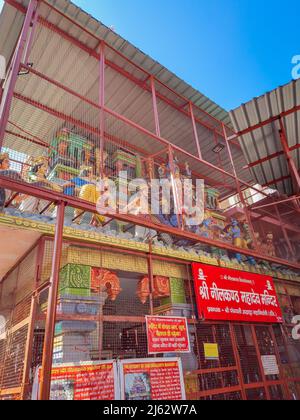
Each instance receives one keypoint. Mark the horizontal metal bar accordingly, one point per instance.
(275, 203)
(88, 207)
(270, 157)
(265, 122)
(276, 181)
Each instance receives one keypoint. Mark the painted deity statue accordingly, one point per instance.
(236, 233)
(6, 171)
(87, 191)
(36, 174)
(73, 187)
(205, 229)
(269, 247)
(162, 171)
(188, 172)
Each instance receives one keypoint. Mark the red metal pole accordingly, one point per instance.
(102, 104)
(240, 192)
(294, 198)
(238, 360)
(258, 354)
(52, 305)
(14, 71)
(29, 347)
(31, 37)
(151, 279)
(292, 166)
(195, 130)
(285, 232)
(170, 150)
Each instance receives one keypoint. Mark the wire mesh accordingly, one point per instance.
(58, 138)
(248, 354)
(104, 296)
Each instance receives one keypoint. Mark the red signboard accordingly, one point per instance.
(167, 335)
(89, 381)
(152, 379)
(225, 294)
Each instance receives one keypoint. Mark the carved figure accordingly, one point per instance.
(105, 280)
(6, 171)
(36, 174)
(270, 247)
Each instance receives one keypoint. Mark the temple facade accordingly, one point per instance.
(90, 249)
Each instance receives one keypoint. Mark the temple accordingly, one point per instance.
(82, 109)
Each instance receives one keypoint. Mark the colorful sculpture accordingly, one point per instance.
(235, 232)
(36, 173)
(143, 289)
(212, 198)
(6, 171)
(88, 191)
(188, 172)
(162, 171)
(4, 162)
(150, 169)
(105, 280)
(125, 162)
(205, 229)
(161, 288)
(73, 187)
(269, 247)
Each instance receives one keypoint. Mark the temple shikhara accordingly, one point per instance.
(82, 108)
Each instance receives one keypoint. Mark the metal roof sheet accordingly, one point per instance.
(116, 41)
(64, 62)
(265, 141)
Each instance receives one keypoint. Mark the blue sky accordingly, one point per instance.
(230, 50)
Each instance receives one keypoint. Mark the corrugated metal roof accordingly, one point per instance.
(265, 141)
(116, 41)
(64, 62)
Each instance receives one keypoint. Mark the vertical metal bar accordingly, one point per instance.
(240, 192)
(52, 305)
(102, 104)
(155, 108)
(151, 278)
(284, 232)
(29, 348)
(238, 361)
(100, 315)
(292, 166)
(195, 130)
(39, 262)
(33, 312)
(281, 373)
(266, 387)
(31, 37)
(15, 67)
(150, 169)
(194, 316)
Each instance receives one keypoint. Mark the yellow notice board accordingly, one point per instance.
(211, 351)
